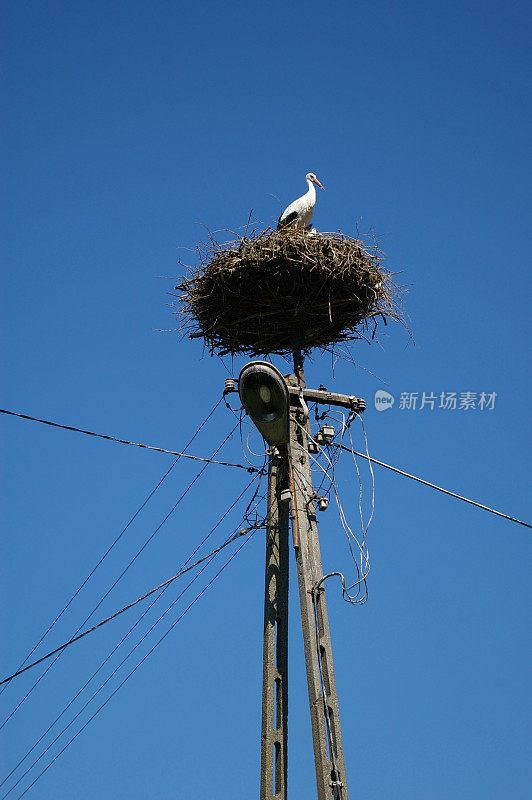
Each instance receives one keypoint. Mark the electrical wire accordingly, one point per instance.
(330, 460)
(364, 552)
(139, 551)
(247, 447)
(124, 529)
(100, 708)
(126, 635)
(362, 568)
(103, 622)
(438, 488)
(100, 688)
(124, 441)
(475, 503)
(254, 469)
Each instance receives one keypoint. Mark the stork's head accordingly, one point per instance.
(311, 178)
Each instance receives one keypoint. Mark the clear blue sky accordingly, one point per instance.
(129, 127)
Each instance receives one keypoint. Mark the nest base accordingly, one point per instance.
(266, 294)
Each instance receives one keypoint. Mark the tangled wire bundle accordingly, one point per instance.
(253, 295)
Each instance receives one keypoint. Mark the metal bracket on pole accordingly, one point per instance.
(328, 398)
(357, 404)
(304, 407)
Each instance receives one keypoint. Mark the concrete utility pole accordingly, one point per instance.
(323, 699)
(273, 763)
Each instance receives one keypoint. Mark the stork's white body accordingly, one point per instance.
(303, 207)
(299, 213)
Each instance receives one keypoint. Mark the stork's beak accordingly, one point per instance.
(316, 181)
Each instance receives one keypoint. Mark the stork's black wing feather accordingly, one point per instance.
(283, 222)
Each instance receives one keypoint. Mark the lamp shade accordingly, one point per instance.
(264, 395)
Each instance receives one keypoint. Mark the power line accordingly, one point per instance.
(124, 441)
(124, 529)
(103, 622)
(434, 486)
(254, 469)
(100, 708)
(116, 647)
(139, 551)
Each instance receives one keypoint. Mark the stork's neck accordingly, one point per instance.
(311, 194)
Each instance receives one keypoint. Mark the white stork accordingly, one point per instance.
(299, 213)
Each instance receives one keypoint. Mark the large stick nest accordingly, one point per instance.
(253, 295)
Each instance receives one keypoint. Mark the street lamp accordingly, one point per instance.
(264, 395)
